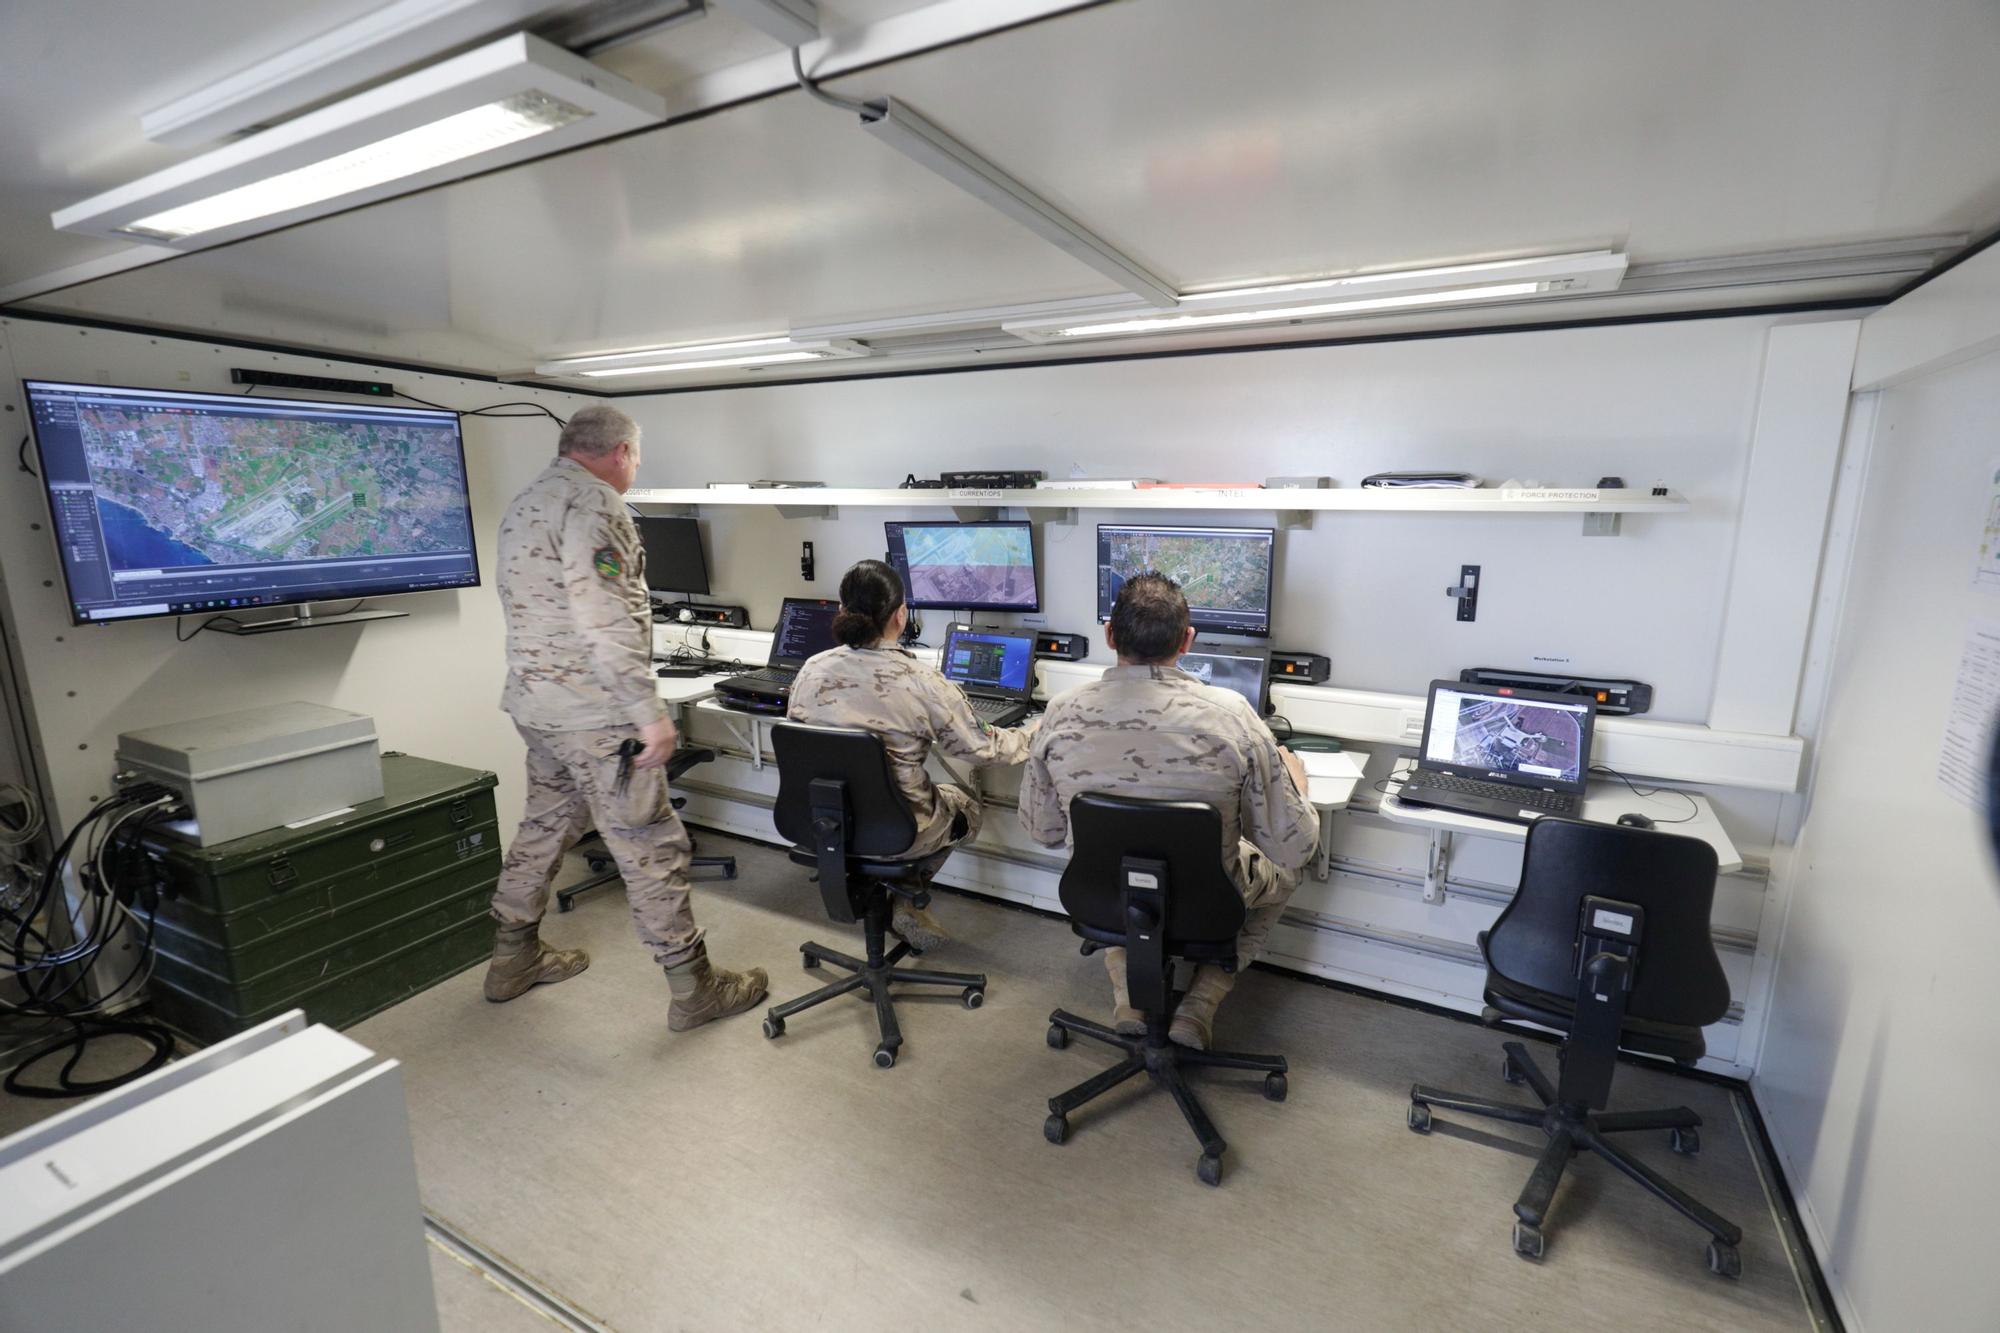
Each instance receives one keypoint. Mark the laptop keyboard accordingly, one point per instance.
(1528, 798)
(990, 708)
(767, 676)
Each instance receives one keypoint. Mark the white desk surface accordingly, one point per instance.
(687, 689)
(1603, 802)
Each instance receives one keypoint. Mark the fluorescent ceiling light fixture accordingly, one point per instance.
(703, 356)
(1359, 295)
(502, 103)
(928, 145)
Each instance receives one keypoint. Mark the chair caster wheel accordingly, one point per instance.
(1058, 1036)
(729, 872)
(811, 962)
(1056, 1129)
(565, 904)
(1529, 1242)
(1420, 1117)
(774, 1028)
(972, 997)
(1508, 1073)
(1275, 1087)
(1209, 1170)
(1723, 1260)
(1686, 1142)
(885, 1057)
(597, 866)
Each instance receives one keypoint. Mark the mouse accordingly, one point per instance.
(1633, 819)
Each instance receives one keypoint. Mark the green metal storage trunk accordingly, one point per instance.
(342, 918)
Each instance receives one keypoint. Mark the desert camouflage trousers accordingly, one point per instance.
(572, 787)
(1266, 889)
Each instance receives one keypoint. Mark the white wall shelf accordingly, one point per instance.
(1294, 508)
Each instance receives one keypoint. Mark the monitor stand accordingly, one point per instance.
(305, 619)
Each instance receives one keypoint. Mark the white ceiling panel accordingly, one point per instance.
(1214, 143)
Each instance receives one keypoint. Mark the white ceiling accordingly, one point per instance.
(1214, 143)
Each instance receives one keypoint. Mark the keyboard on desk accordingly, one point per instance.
(991, 711)
(765, 676)
(1496, 800)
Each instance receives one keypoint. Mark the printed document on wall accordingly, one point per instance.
(1968, 727)
(1986, 574)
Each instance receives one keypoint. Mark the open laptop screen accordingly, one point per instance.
(1529, 739)
(992, 661)
(1247, 673)
(805, 628)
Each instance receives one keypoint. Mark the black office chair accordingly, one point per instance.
(1148, 875)
(604, 868)
(839, 806)
(1607, 941)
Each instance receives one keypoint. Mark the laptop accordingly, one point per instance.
(995, 668)
(1247, 671)
(805, 629)
(1502, 753)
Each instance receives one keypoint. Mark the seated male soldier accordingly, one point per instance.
(1149, 729)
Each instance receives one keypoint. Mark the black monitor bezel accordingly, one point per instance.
(902, 567)
(1261, 653)
(644, 521)
(1200, 623)
(778, 631)
(326, 593)
(1026, 693)
(1481, 773)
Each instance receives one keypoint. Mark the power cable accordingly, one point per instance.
(493, 410)
(831, 99)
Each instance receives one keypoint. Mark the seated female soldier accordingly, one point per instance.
(872, 684)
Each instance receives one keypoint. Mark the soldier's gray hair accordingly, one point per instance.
(596, 431)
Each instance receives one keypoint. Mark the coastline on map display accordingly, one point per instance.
(133, 543)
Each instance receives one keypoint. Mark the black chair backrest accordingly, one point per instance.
(1202, 903)
(1679, 979)
(879, 823)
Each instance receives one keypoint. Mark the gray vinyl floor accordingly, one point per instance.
(716, 1180)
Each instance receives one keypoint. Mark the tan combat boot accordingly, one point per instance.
(1196, 1015)
(522, 962)
(916, 927)
(703, 993)
(1125, 1020)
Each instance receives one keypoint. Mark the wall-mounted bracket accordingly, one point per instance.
(1437, 866)
(1466, 590)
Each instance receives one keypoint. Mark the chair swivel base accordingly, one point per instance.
(1574, 1129)
(872, 980)
(1163, 1062)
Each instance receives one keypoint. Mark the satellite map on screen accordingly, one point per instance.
(1496, 734)
(970, 566)
(1225, 573)
(178, 488)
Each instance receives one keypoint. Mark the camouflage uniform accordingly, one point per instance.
(580, 682)
(1157, 733)
(911, 707)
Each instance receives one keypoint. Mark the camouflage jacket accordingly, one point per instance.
(573, 587)
(912, 707)
(1157, 733)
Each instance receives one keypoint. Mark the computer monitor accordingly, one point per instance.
(1506, 735)
(990, 661)
(674, 561)
(1225, 573)
(966, 566)
(805, 629)
(1247, 671)
(166, 502)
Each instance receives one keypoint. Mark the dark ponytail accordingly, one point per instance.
(869, 595)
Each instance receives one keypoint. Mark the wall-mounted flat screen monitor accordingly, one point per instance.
(166, 502)
(674, 562)
(966, 566)
(1225, 573)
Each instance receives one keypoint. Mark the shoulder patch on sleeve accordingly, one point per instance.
(610, 564)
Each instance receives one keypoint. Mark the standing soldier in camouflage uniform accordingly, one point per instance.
(871, 683)
(580, 686)
(1150, 730)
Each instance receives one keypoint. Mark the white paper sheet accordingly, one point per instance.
(1968, 727)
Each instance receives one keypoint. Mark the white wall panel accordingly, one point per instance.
(1666, 402)
(1794, 453)
(432, 682)
(1882, 1027)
